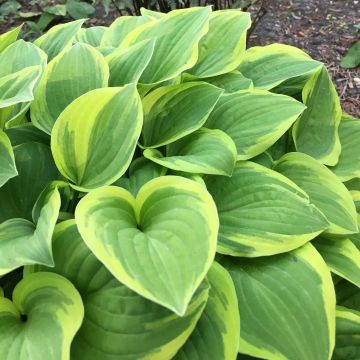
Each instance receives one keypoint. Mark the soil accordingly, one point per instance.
(325, 29)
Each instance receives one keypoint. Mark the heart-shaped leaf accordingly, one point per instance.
(42, 320)
(107, 331)
(160, 244)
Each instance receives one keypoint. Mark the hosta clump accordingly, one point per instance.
(167, 194)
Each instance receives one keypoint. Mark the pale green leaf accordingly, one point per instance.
(204, 151)
(7, 159)
(9, 37)
(72, 73)
(262, 212)
(170, 112)
(325, 190)
(254, 119)
(286, 305)
(316, 131)
(268, 66)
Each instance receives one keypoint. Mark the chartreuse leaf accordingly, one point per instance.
(36, 169)
(324, 189)
(107, 332)
(153, 14)
(254, 119)
(141, 171)
(341, 256)
(7, 159)
(268, 66)
(222, 48)
(99, 153)
(54, 312)
(170, 112)
(262, 212)
(120, 28)
(9, 37)
(91, 36)
(177, 39)
(204, 151)
(286, 305)
(316, 131)
(217, 333)
(18, 87)
(149, 243)
(23, 242)
(355, 194)
(231, 82)
(72, 73)
(58, 38)
(347, 334)
(348, 166)
(127, 65)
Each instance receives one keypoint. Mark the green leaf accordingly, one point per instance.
(150, 13)
(23, 242)
(268, 66)
(231, 82)
(36, 169)
(262, 212)
(222, 49)
(79, 10)
(127, 65)
(171, 113)
(347, 334)
(352, 57)
(7, 159)
(91, 36)
(348, 166)
(204, 151)
(100, 153)
(58, 9)
(107, 332)
(58, 38)
(148, 243)
(324, 189)
(141, 171)
(217, 333)
(120, 28)
(27, 133)
(54, 313)
(9, 37)
(316, 131)
(72, 73)
(177, 39)
(341, 256)
(286, 305)
(254, 119)
(9, 7)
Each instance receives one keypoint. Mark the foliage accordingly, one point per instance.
(167, 194)
(352, 57)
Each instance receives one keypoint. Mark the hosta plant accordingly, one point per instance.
(167, 194)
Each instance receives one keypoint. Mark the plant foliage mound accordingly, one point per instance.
(167, 194)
